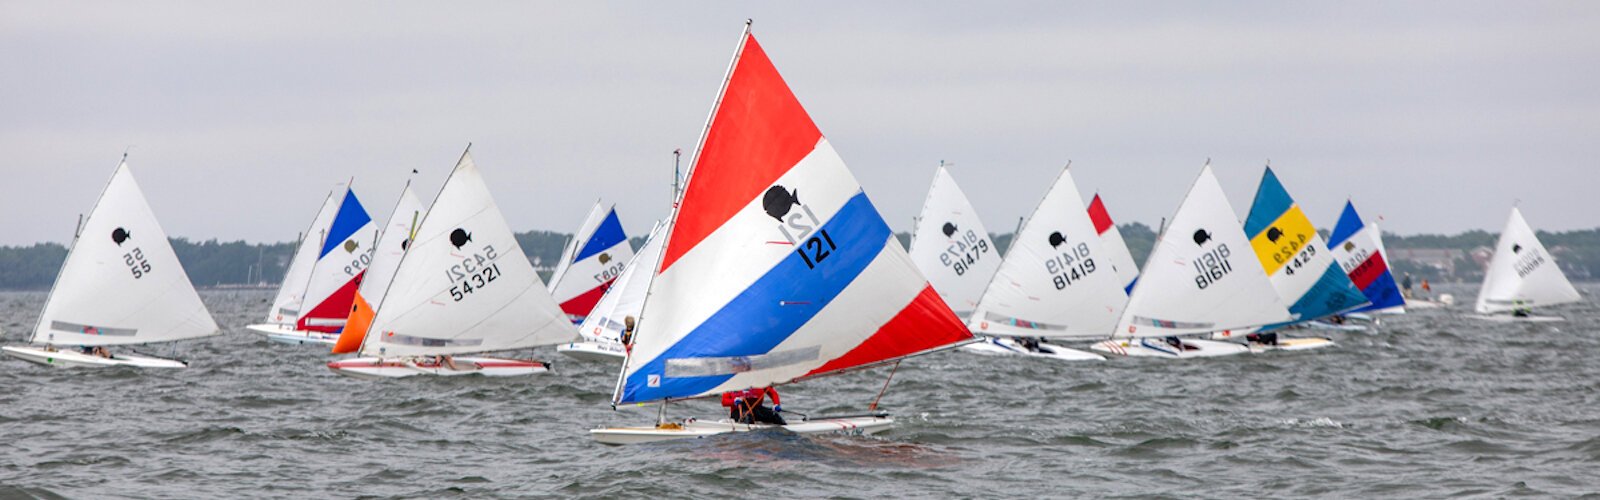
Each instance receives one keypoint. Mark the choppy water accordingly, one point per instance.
(1429, 404)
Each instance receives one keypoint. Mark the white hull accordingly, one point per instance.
(1507, 318)
(75, 359)
(693, 429)
(379, 368)
(288, 335)
(1344, 327)
(1009, 347)
(1286, 344)
(1417, 303)
(593, 351)
(1155, 347)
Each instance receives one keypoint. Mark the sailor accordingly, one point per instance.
(1405, 284)
(627, 333)
(745, 406)
(1262, 338)
(1029, 343)
(100, 351)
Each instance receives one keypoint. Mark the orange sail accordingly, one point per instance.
(355, 328)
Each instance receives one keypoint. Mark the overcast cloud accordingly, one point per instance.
(242, 116)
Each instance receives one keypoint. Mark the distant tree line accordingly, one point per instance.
(213, 263)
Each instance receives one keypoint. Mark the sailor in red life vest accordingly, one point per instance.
(745, 406)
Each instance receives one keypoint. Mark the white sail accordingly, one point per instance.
(1055, 280)
(626, 296)
(570, 250)
(121, 282)
(464, 285)
(291, 292)
(1114, 248)
(1202, 275)
(951, 246)
(1522, 274)
(392, 245)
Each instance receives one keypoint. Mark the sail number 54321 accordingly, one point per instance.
(474, 272)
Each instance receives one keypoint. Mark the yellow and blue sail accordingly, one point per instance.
(1295, 258)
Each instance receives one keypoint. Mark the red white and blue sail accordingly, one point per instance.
(777, 266)
(342, 261)
(1301, 269)
(1359, 251)
(1112, 244)
(591, 263)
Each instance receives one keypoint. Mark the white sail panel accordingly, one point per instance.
(1201, 276)
(1114, 247)
(626, 296)
(342, 261)
(392, 244)
(1522, 273)
(1055, 280)
(291, 291)
(951, 246)
(464, 285)
(121, 282)
(594, 259)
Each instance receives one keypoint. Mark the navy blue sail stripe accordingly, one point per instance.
(757, 320)
(351, 218)
(606, 236)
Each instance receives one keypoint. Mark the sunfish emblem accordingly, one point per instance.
(1056, 239)
(604, 258)
(1201, 236)
(350, 246)
(1273, 234)
(1349, 246)
(949, 229)
(778, 201)
(460, 237)
(120, 235)
(1515, 248)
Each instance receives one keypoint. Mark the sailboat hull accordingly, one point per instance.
(391, 368)
(1507, 318)
(74, 359)
(1154, 347)
(693, 429)
(288, 335)
(593, 351)
(1002, 346)
(1287, 344)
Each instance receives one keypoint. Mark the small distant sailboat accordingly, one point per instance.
(1201, 277)
(951, 246)
(121, 284)
(1114, 247)
(1300, 268)
(1358, 248)
(1521, 276)
(590, 262)
(462, 286)
(342, 253)
(602, 330)
(759, 285)
(1056, 282)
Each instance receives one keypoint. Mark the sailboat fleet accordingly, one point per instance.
(774, 267)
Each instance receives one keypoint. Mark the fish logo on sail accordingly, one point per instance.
(1273, 234)
(1201, 236)
(405, 244)
(460, 237)
(1515, 248)
(350, 246)
(1349, 246)
(120, 235)
(779, 201)
(949, 229)
(1056, 239)
(605, 258)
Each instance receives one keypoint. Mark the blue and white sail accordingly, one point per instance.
(1358, 248)
(1300, 267)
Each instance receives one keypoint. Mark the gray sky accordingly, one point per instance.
(1435, 115)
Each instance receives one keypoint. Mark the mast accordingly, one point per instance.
(677, 204)
(414, 226)
(77, 232)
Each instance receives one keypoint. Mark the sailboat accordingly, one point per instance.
(462, 286)
(776, 268)
(1300, 267)
(590, 262)
(601, 331)
(1054, 283)
(286, 307)
(951, 246)
(1201, 277)
(342, 253)
(1521, 276)
(121, 284)
(1358, 248)
(393, 241)
(1115, 249)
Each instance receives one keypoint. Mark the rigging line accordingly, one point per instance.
(874, 405)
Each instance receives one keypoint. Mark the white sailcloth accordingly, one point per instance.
(626, 296)
(1522, 274)
(392, 245)
(291, 292)
(951, 246)
(1055, 280)
(1202, 275)
(464, 285)
(1114, 248)
(121, 282)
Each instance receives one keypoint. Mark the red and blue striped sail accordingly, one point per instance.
(1300, 267)
(341, 264)
(591, 264)
(1359, 251)
(777, 266)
